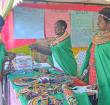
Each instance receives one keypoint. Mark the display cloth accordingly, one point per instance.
(45, 86)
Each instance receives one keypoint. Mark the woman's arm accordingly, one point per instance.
(41, 49)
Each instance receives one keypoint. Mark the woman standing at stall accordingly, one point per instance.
(97, 59)
(2, 55)
(60, 50)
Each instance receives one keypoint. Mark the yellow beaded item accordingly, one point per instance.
(59, 39)
(101, 38)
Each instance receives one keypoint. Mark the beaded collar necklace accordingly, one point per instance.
(101, 38)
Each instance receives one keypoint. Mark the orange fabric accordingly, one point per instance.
(92, 69)
(77, 82)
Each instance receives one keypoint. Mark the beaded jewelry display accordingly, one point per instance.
(69, 95)
(23, 81)
(44, 100)
(40, 90)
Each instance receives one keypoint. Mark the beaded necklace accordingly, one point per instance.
(59, 39)
(101, 38)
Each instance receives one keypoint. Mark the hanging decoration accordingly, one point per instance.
(7, 5)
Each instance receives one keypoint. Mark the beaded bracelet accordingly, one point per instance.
(43, 100)
(23, 81)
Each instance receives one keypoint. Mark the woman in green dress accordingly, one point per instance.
(60, 50)
(2, 55)
(2, 48)
(97, 60)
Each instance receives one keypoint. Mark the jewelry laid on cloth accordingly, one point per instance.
(26, 81)
(44, 100)
(71, 99)
(44, 80)
(39, 90)
(101, 38)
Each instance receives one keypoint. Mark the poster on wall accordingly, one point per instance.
(51, 16)
(83, 27)
(28, 23)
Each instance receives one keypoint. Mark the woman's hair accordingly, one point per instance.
(2, 22)
(105, 12)
(62, 23)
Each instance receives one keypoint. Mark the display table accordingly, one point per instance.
(24, 68)
(82, 98)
